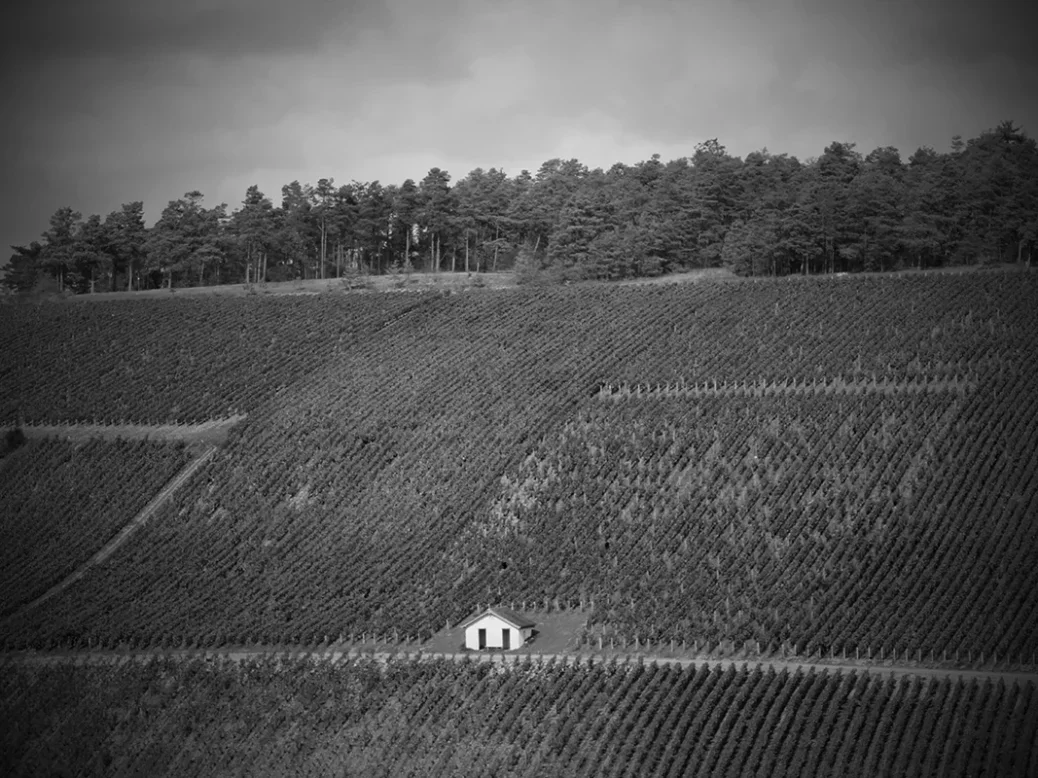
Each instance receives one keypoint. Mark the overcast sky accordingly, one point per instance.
(109, 101)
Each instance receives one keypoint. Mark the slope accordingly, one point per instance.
(62, 501)
(299, 716)
(855, 468)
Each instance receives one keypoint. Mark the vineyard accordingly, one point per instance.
(157, 361)
(768, 520)
(62, 501)
(824, 464)
(302, 716)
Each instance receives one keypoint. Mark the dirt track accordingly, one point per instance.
(209, 433)
(337, 653)
(123, 535)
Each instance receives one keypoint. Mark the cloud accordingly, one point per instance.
(797, 74)
(535, 78)
(131, 29)
(959, 33)
(114, 100)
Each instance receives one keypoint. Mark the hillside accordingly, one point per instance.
(443, 718)
(64, 500)
(831, 464)
(165, 360)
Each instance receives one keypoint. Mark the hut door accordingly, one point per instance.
(506, 639)
(482, 639)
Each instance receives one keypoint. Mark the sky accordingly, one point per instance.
(109, 101)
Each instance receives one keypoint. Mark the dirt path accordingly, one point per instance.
(207, 434)
(681, 277)
(375, 283)
(339, 653)
(110, 547)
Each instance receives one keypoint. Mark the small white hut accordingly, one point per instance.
(497, 628)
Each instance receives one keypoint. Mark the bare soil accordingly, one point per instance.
(197, 436)
(555, 632)
(443, 281)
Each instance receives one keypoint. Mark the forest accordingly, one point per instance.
(767, 214)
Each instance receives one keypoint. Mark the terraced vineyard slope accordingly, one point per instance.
(439, 718)
(829, 464)
(187, 360)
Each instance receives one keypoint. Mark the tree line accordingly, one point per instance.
(767, 214)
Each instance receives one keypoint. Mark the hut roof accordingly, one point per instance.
(506, 615)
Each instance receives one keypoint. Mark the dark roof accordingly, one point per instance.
(513, 619)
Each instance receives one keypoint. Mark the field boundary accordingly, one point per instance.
(349, 283)
(788, 388)
(336, 653)
(124, 534)
(207, 433)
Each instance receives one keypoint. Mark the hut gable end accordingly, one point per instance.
(497, 628)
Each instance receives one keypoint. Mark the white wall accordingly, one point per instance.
(493, 626)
